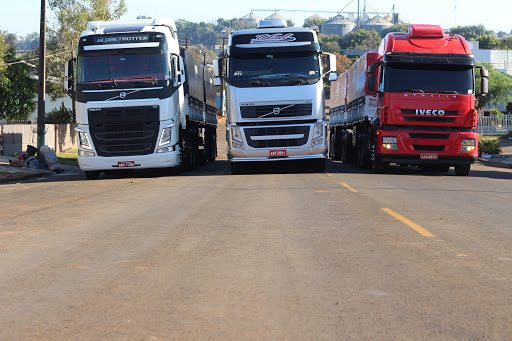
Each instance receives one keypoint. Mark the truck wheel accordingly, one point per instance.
(185, 152)
(336, 149)
(92, 175)
(462, 170)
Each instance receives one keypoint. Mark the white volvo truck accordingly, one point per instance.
(141, 100)
(274, 95)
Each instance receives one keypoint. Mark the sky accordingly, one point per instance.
(22, 17)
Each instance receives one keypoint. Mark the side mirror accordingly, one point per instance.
(217, 67)
(182, 70)
(332, 62)
(328, 63)
(178, 71)
(217, 81)
(371, 78)
(484, 82)
(69, 76)
(333, 77)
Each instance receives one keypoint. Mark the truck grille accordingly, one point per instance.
(274, 134)
(124, 131)
(276, 111)
(429, 136)
(426, 148)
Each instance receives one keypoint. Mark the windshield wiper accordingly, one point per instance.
(112, 80)
(410, 90)
(446, 92)
(143, 78)
(258, 81)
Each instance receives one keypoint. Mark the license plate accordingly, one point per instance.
(124, 164)
(277, 153)
(428, 156)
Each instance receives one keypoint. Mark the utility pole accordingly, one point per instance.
(42, 77)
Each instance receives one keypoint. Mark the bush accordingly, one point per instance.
(489, 146)
(60, 115)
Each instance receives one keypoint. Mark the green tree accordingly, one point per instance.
(71, 17)
(329, 43)
(3, 51)
(471, 32)
(314, 21)
(400, 27)
(361, 40)
(506, 44)
(18, 88)
(60, 115)
(500, 85)
(488, 41)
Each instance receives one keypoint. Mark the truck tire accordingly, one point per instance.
(462, 170)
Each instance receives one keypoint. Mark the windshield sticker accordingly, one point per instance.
(273, 38)
(311, 73)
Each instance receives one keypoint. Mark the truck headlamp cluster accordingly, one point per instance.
(390, 142)
(468, 145)
(318, 134)
(84, 140)
(165, 139)
(85, 147)
(236, 138)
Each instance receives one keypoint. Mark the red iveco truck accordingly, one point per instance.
(412, 102)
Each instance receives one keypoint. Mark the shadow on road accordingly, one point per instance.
(221, 167)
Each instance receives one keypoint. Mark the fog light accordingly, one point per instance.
(318, 141)
(165, 149)
(237, 145)
(85, 153)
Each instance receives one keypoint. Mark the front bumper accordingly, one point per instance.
(156, 160)
(408, 159)
(252, 155)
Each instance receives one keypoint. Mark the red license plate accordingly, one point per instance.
(428, 156)
(277, 153)
(124, 164)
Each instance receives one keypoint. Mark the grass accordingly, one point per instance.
(68, 157)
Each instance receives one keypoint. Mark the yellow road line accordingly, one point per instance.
(328, 174)
(348, 187)
(409, 223)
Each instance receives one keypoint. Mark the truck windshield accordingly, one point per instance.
(450, 79)
(150, 67)
(274, 69)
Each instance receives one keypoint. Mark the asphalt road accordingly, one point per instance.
(281, 254)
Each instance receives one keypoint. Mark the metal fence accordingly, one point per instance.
(494, 124)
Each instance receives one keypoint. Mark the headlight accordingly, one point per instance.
(318, 131)
(236, 135)
(83, 139)
(166, 136)
(318, 134)
(389, 139)
(468, 145)
(389, 142)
